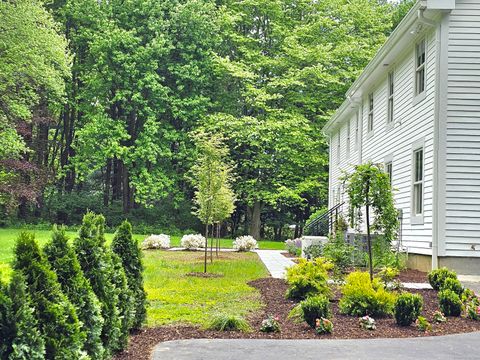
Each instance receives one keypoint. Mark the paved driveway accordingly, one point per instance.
(451, 347)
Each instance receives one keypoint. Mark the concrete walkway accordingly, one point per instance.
(275, 262)
(450, 347)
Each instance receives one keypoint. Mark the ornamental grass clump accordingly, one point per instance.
(245, 243)
(450, 303)
(161, 241)
(126, 247)
(225, 322)
(56, 316)
(437, 277)
(308, 278)
(311, 309)
(61, 256)
(360, 296)
(192, 241)
(407, 308)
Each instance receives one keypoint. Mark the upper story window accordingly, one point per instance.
(338, 147)
(418, 182)
(370, 113)
(420, 67)
(348, 140)
(391, 89)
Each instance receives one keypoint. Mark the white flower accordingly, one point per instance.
(245, 243)
(192, 241)
(161, 241)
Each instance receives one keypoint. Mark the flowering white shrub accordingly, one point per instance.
(245, 243)
(192, 241)
(161, 241)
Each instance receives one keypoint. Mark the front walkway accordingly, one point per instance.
(275, 262)
(450, 347)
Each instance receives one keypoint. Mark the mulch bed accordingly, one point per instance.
(413, 276)
(272, 291)
(288, 255)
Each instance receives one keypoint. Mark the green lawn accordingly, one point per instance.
(177, 298)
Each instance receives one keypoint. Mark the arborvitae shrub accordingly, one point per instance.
(450, 303)
(127, 249)
(98, 269)
(6, 325)
(437, 277)
(407, 308)
(64, 262)
(28, 342)
(56, 316)
(125, 299)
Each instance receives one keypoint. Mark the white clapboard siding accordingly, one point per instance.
(462, 200)
(412, 123)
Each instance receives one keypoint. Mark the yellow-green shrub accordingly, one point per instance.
(308, 278)
(362, 297)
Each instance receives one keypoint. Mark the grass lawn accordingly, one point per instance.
(177, 298)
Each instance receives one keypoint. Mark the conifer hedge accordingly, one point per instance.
(63, 260)
(57, 320)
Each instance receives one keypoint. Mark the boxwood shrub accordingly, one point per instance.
(450, 303)
(437, 277)
(407, 308)
(315, 307)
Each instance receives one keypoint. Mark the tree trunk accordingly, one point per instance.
(255, 223)
(369, 240)
(206, 249)
(106, 189)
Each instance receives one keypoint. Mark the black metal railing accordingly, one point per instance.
(324, 224)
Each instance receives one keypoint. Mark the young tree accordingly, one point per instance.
(97, 267)
(369, 186)
(211, 178)
(56, 316)
(64, 262)
(28, 342)
(127, 249)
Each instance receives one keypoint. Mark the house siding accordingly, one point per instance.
(462, 178)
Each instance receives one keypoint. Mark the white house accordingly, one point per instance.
(416, 109)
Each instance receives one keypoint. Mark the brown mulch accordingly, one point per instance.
(413, 276)
(272, 291)
(288, 255)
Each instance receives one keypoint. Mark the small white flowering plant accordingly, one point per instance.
(367, 322)
(245, 243)
(192, 241)
(270, 324)
(161, 241)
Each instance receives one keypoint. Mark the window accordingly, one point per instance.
(420, 67)
(391, 88)
(418, 182)
(370, 112)
(338, 147)
(357, 129)
(348, 140)
(389, 171)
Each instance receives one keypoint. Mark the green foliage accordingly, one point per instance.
(360, 296)
(223, 322)
(423, 324)
(450, 303)
(7, 332)
(28, 342)
(96, 263)
(341, 254)
(126, 248)
(452, 284)
(270, 324)
(437, 277)
(369, 186)
(64, 262)
(384, 256)
(315, 307)
(313, 251)
(56, 316)
(388, 274)
(407, 308)
(323, 326)
(308, 278)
